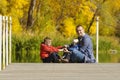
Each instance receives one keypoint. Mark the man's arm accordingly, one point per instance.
(87, 48)
(85, 45)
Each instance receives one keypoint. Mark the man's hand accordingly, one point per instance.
(65, 50)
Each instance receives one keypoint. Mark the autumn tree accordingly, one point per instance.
(17, 9)
(63, 15)
(81, 12)
(3, 7)
(107, 10)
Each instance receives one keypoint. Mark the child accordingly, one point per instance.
(48, 53)
(74, 45)
(68, 50)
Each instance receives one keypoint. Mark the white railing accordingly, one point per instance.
(97, 39)
(5, 41)
(0, 42)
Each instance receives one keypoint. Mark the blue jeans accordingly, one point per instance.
(77, 56)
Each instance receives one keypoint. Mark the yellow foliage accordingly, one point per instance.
(69, 28)
(48, 30)
(93, 29)
(3, 6)
(16, 10)
(114, 5)
(19, 4)
(17, 7)
(17, 13)
(16, 28)
(85, 14)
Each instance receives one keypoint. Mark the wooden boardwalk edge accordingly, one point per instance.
(61, 71)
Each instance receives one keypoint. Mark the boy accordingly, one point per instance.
(48, 53)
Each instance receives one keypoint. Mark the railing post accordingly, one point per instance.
(97, 39)
(6, 40)
(10, 39)
(0, 42)
(3, 45)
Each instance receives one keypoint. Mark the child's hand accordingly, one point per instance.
(60, 49)
(65, 50)
(75, 41)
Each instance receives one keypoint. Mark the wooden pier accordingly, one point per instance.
(61, 71)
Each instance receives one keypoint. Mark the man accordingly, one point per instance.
(85, 52)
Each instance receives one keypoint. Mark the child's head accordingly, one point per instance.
(47, 41)
(75, 41)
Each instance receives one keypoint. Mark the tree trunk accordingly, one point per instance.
(30, 20)
(92, 20)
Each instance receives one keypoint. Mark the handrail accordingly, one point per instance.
(5, 41)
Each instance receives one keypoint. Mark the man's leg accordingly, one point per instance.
(66, 57)
(77, 56)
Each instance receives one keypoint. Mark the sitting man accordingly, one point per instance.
(49, 53)
(85, 52)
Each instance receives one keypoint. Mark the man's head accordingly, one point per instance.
(80, 31)
(47, 41)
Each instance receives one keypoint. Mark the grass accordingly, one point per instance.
(27, 48)
(106, 44)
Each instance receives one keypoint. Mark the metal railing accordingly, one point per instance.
(5, 41)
